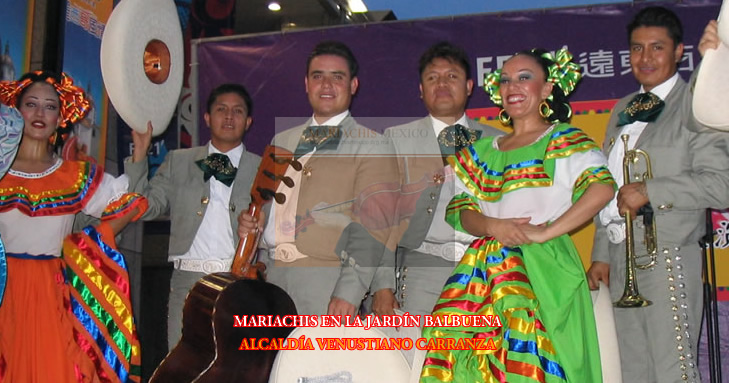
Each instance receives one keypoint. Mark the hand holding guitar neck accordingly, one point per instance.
(208, 350)
(271, 173)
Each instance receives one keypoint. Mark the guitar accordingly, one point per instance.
(208, 350)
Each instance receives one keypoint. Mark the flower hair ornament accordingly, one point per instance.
(73, 102)
(563, 72)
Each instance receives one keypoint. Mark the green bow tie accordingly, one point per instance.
(456, 137)
(218, 165)
(319, 137)
(644, 107)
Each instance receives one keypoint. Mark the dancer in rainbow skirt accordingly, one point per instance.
(66, 313)
(521, 194)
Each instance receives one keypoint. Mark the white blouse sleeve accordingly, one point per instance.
(110, 189)
(579, 162)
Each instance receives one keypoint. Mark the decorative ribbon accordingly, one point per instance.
(73, 102)
(218, 165)
(644, 107)
(456, 137)
(563, 72)
(319, 137)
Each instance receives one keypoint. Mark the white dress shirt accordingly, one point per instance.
(281, 220)
(214, 238)
(617, 152)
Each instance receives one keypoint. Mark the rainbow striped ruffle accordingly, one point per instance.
(490, 181)
(548, 331)
(72, 184)
(124, 205)
(100, 303)
(492, 280)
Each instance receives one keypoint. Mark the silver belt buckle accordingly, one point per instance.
(452, 251)
(616, 232)
(287, 252)
(207, 266)
(213, 266)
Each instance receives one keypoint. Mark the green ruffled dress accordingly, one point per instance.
(538, 291)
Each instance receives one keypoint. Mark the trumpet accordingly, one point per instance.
(631, 297)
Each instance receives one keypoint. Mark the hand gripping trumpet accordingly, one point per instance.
(631, 297)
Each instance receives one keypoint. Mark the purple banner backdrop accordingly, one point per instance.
(272, 66)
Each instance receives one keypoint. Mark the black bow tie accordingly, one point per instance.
(644, 107)
(319, 137)
(218, 165)
(456, 137)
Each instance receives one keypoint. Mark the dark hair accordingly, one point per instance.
(35, 77)
(559, 104)
(447, 51)
(238, 89)
(658, 17)
(61, 133)
(334, 48)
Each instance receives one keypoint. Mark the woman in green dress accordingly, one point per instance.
(521, 194)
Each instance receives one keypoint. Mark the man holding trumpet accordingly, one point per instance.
(690, 172)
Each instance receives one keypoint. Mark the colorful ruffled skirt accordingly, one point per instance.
(68, 320)
(540, 294)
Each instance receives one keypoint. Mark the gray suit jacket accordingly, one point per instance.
(178, 189)
(690, 174)
(362, 176)
(419, 158)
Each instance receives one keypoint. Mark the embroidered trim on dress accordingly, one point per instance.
(495, 142)
(42, 174)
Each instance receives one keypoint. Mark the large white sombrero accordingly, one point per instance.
(340, 366)
(711, 92)
(11, 129)
(142, 62)
(607, 335)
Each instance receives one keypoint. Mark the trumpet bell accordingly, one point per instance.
(631, 301)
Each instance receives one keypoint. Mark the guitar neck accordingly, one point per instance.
(246, 251)
(271, 172)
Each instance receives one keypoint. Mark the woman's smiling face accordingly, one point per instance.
(40, 108)
(523, 86)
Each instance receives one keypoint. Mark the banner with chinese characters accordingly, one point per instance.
(84, 25)
(273, 67)
(15, 37)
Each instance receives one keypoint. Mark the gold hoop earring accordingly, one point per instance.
(544, 110)
(504, 117)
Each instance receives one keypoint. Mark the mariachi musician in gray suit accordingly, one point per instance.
(203, 190)
(429, 248)
(325, 241)
(658, 342)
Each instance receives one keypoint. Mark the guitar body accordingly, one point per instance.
(196, 349)
(208, 349)
(246, 297)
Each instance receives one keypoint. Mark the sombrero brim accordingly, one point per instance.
(11, 130)
(133, 24)
(362, 365)
(711, 91)
(607, 335)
